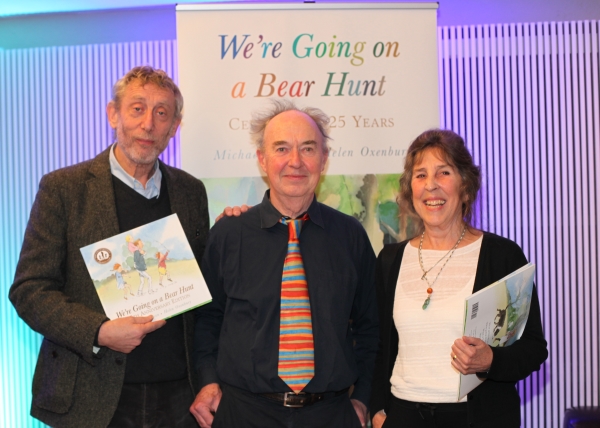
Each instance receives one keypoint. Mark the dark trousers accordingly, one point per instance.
(243, 409)
(155, 405)
(406, 414)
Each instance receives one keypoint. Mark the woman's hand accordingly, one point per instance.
(471, 355)
(379, 419)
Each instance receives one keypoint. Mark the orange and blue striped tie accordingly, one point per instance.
(296, 347)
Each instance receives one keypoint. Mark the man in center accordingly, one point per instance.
(292, 327)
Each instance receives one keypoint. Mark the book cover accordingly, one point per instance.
(149, 270)
(497, 315)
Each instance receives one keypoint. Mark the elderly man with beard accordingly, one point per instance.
(92, 371)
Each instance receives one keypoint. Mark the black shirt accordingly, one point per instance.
(237, 335)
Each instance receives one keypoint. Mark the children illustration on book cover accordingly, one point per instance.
(143, 252)
(140, 265)
(162, 267)
(121, 283)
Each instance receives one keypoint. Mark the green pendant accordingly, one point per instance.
(426, 303)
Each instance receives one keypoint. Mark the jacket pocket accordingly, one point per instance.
(54, 378)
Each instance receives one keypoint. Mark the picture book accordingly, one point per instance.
(497, 315)
(149, 270)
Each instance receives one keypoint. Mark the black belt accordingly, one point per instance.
(432, 407)
(291, 399)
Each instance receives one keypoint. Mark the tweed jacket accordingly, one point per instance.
(53, 292)
(494, 403)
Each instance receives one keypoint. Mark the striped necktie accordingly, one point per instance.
(296, 347)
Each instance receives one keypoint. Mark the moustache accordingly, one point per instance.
(146, 136)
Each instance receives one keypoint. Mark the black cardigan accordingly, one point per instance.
(494, 403)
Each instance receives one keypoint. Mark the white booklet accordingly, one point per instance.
(149, 270)
(497, 315)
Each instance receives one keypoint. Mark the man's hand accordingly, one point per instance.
(361, 411)
(471, 355)
(205, 405)
(232, 211)
(125, 334)
(379, 419)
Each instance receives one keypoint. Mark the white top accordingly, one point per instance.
(423, 371)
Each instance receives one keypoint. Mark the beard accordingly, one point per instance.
(137, 153)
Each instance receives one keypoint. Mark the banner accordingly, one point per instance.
(372, 67)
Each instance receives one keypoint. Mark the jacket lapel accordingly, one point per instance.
(177, 197)
(100, 194)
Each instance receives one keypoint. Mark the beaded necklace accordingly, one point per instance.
(425, 272)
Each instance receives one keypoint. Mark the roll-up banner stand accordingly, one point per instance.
(372, 67)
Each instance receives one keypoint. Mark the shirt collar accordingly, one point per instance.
(152, 189)
(269, 216)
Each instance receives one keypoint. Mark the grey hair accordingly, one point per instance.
(143, 75)
(260, 120)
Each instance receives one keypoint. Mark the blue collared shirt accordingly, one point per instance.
(152, 189)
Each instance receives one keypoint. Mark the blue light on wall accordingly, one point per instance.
(52, 115)
(40, 6)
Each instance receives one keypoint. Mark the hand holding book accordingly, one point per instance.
(494, 316)
(125, 334)
(471, 355)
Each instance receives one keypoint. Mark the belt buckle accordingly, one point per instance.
(291, 394)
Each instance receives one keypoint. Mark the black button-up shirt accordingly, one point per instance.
(237, 335)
